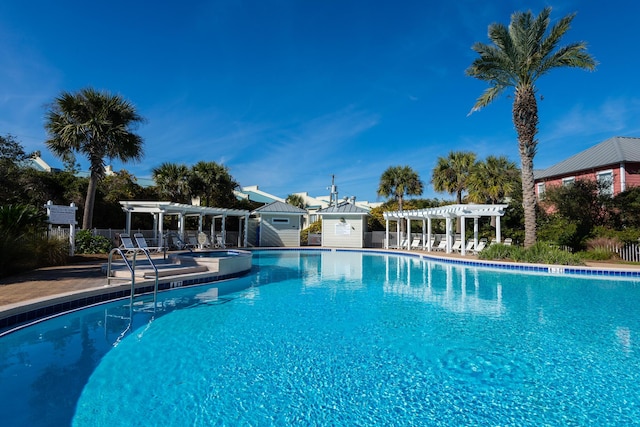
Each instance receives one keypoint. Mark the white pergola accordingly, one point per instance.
(448, 213)
(161, 209)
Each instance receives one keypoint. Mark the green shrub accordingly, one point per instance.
(51, 252)
(88, 243)
(314, 228)
(540, 253)
(598, 254)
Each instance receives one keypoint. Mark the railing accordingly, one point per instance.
(131, 266)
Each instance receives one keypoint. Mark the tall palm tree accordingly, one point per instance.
(493, 179)
(451, 173)
(519, 55)
(172, 180)
(97, 124)
(398, 181)
(213, 183)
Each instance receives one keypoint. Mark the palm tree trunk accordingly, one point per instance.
(87, 218)
(525, 119)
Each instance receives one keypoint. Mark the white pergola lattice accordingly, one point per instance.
(448, 213)
(161, 209)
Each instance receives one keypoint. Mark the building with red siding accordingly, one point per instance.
(615, 162)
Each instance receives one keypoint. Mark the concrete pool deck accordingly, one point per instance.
(53, 284)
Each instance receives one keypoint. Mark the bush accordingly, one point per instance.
(598, 254)
(540, 253)
(51, 252)
(314, 228)
(88, 243)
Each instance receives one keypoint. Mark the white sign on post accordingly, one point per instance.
(58, 214)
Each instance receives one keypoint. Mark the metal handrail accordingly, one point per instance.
(132, 268)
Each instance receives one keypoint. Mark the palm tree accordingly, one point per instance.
(451, 173)
(213, 183)
(172, 181)
(398, 181)
(519, 55)
(98, 125)
(493, 179)
(296, 200)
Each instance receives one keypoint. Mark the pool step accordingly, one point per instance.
(164, 270)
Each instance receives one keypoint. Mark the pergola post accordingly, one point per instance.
(224, 231)
(246, 231)
(398, 242)
(386, 233)
(429, 246)
(463, 248)
(160, 229)
(475, 232)
(448, 233)
(498, 234)
(128, 223)
(424, 237)
(408, 233)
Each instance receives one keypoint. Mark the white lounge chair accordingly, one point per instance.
(481, 245)
(442, 246)
(142, 244)
(126, 244)
(415, 244)
(457, 245)
(469, 246)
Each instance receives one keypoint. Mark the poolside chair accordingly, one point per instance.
(457, 245)
(469, 246)
(415, 244)
(403, 244)
(142, 244)
(126, 244)
(442, 246)
(481, 245)
(508, 241)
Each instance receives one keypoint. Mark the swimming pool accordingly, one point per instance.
(339, 338)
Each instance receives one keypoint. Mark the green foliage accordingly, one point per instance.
(88, 243)
(597, 254)
(578, 209)
(627, 206)
(51, 252)
(22, 242)
(540, 253)
(314, 228)
(626, 235)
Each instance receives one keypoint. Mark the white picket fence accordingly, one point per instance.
(628, 252)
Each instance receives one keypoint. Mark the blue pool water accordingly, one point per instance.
(338, 338)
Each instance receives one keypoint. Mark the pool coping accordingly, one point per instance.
(25, 312)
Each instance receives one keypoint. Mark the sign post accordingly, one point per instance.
(58, 214)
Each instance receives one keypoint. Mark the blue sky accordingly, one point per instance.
(287, 93)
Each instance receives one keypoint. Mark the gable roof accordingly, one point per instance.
(614, 150)
(281, 208)
(342, 208)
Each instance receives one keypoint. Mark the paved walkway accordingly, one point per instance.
(51, 281)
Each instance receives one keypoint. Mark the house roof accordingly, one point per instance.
(281, 208)
(612, 151)
(342, 208)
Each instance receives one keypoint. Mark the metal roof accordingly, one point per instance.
(281, 208)
(448, 211)
(171, 208)
(342, 208)
(612, 151)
